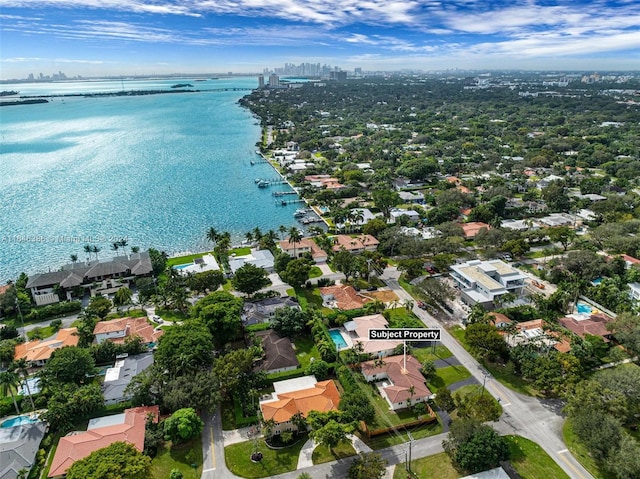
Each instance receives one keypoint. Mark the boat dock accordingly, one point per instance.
(284, 193)
(289, 202)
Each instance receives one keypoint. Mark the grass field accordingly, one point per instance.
(321, 454)
(274, 462)
(437, 466)
(447, 376)
(305, 350)
(422, 354)
(530, 460)
(181, 457)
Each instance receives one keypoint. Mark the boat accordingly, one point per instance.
(252, 162)
(300, 213)
(263, 184)
(257, 180)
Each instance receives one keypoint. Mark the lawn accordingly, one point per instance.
(401, 437)
(124, 313)
(42, 333)
(447, 376)
(401, 318)
(581, 454)
(474, 390)
(307, 297)
(240, 251)
(185, 259)
(274, 461)
(315, 272)
(305, 350)
(180, 457)
(422, 354)
(171, 315)
(530, 460)
(437, 466)
(322, 454)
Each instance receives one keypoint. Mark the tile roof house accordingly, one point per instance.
(120, 375)
(127, 427)
(535, 331)
(299, 395)
(471, 230)
(594, 324)
(305, 245)
(261, 311)
(99, 277)
(396, 380)
(358, 330)
(116, 330)
(279, 355)
(341, 296)
(355, 244)
(19, 446)
(38, 352)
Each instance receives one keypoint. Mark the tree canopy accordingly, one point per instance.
(120, 460)
(250, 278)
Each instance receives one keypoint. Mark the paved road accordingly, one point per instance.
(538, 420)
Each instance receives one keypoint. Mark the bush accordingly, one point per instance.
(52, 310)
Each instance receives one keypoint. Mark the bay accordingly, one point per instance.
(158, 170)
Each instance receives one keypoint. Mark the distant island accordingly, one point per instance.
(182, 85)
(32, 101)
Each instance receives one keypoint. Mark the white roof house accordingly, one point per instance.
(397, 213)
(262, 258)
(481, 282)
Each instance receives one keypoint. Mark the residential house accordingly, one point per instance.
(298, 396)
(341, 296)
(302, 247)
(263, 310)
(634, 292)
(471, 230)
(594, 324)
(536, 332)
(118, 377)
(102, 432)
(412, 215)
(117, 330)
(365, 214)
(99, 277)
(279, 354)
(358, 331)
(399, 380)
(19, 446)
(38, 352)
(262, 258)
(546, 181)
(484, 282)
(355, 244)
(630, 260)
(411, 197)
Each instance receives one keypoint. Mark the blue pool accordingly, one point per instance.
(337, 338)
(596, 281)
(182, 266)
(583, 308)
(18, 421)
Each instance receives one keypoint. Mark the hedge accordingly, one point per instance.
(53, 310)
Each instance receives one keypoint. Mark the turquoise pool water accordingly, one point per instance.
(583, 308)
(182, 266)
(18, 421)
(596, 281)
(337, 338)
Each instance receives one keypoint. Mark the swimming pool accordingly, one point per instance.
(182, 266)
(337, 338)
(19, 421)
(583, 308)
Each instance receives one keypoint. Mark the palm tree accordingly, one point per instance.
(87, 249)
(249, 236)
(213, 235)
(268, 241)
(294, 237)
(412, 391)
(316, 230)
(8, 382)
(135, 249)
(257, 233)
(123, 243)
(283, 231)
(74, 258)
(21, 366)
(358, 216)
(95, 250)
(115, 246)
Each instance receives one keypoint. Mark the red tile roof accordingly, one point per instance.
(596, 325)
(77, 446)
(346, 297)
(323, 397)
(42, 350)
(402, 379)
(132, 327)
(472, 229)
(354, 243)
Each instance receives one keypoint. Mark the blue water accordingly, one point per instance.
(182, 266)
(583, 308)
(596, 281)
(158, 170)
(18, 421)
(337, 338)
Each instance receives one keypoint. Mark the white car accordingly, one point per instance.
(156, 319)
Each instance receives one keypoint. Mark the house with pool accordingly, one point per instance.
(20, 439)
(357, 332)
(398, 379)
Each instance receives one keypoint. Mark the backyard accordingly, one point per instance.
(183, 457)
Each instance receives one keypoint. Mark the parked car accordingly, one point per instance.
(422, 305)
(156, 319)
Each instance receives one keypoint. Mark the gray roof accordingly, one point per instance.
(133, 365)
(18, 447)
(260, 311)
(278, 351)
(76, 274)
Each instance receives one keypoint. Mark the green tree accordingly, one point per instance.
(317, 368)
(185, 348)
(221, 312)
(368, 465)
(100, 306)
(295, 236)
(485, 341)
(626, 329)
(288, 321)
(206, 280)
(200, 391)
(68, 365)
(182, 426)
(428, 369)
(563, 235)
(158, 261)
(331, 434)
(624, 462)
(344, 262)
(122, 297)
(297, 272)
(412, 267)
(232, 368)
(250, 278)
(176, 474)
(385, 199)
(556, 197)
(473, 447)
(482, 408)
(9, 382)
(68, 402)
(21, 367)
(120, 460)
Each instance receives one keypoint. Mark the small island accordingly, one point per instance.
(182, 85)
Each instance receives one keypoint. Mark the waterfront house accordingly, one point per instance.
(98, 277)
(398, 380)
(482, 282)
(101, 432)
(19, 446)
(118, 377)
(117, 330)
(263, 310)
(38, 352)
(262, 258)
(302, 247)
(298, 396)
(279, 355)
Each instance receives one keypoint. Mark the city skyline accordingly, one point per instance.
(122, 37)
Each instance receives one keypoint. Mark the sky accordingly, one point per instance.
(125, 37)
